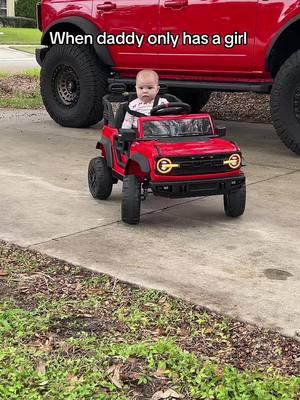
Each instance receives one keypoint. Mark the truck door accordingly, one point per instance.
(209, 17)
(129, 16)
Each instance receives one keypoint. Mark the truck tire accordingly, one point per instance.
(73, 82)
(100, 178)
(235, 202)
(285, 102)
(131, 200)
(197, 99)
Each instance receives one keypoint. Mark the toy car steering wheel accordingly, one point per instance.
(171, 108)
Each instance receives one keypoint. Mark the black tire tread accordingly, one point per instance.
(235, 202)
(103, 176)
(131, 200)
(95, 81)
(283, 128)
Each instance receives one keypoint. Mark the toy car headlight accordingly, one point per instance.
(234, 161)
(164, 165)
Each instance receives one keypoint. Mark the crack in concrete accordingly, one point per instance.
(273, 177)
(108, 224)
(272, 166)
(147, 213)
(57, 238)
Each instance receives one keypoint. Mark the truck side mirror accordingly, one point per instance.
(220, 131)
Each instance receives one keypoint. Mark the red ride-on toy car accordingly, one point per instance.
(172, 153)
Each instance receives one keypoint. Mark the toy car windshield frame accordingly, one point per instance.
(175, 126)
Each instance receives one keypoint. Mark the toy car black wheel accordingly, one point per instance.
(131, 200)
(73, 82)
(100, 178)
(285, 102)
(235, 202)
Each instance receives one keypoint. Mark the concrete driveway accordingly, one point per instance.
(15, 60)
(248, 268)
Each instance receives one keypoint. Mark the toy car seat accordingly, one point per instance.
(119, 95)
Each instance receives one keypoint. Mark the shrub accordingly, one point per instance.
(26, 8)
(17, 22)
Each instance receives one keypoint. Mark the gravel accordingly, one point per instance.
(249, 107)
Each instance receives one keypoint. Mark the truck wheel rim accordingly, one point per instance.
(66, 85)
(297, 103)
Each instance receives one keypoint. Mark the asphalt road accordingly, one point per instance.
(247, 268)
(15, 60)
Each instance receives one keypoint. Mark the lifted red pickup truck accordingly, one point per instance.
(258, 50)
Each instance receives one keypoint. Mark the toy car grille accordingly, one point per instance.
(195, 165)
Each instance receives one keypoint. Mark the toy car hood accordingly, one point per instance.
(210, 146)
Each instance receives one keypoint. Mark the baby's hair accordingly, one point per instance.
(146, 73)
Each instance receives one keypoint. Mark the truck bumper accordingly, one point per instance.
(207, 187)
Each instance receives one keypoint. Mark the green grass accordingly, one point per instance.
(20, 36)
(67, 333)
(18, 99)
(31, 72)
(21, 100)
(34, 367)
(4, 74)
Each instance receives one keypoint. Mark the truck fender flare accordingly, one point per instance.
(142, 161)
(105, 143)
(88, 28)
(275, 38)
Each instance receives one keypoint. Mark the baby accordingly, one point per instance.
(147, 87)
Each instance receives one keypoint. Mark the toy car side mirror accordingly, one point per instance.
(220, 131)
(128, 135)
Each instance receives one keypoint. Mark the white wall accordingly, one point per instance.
(10, 8)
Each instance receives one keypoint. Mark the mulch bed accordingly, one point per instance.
(18, 83)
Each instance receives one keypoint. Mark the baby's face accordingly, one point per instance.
(146, 88)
